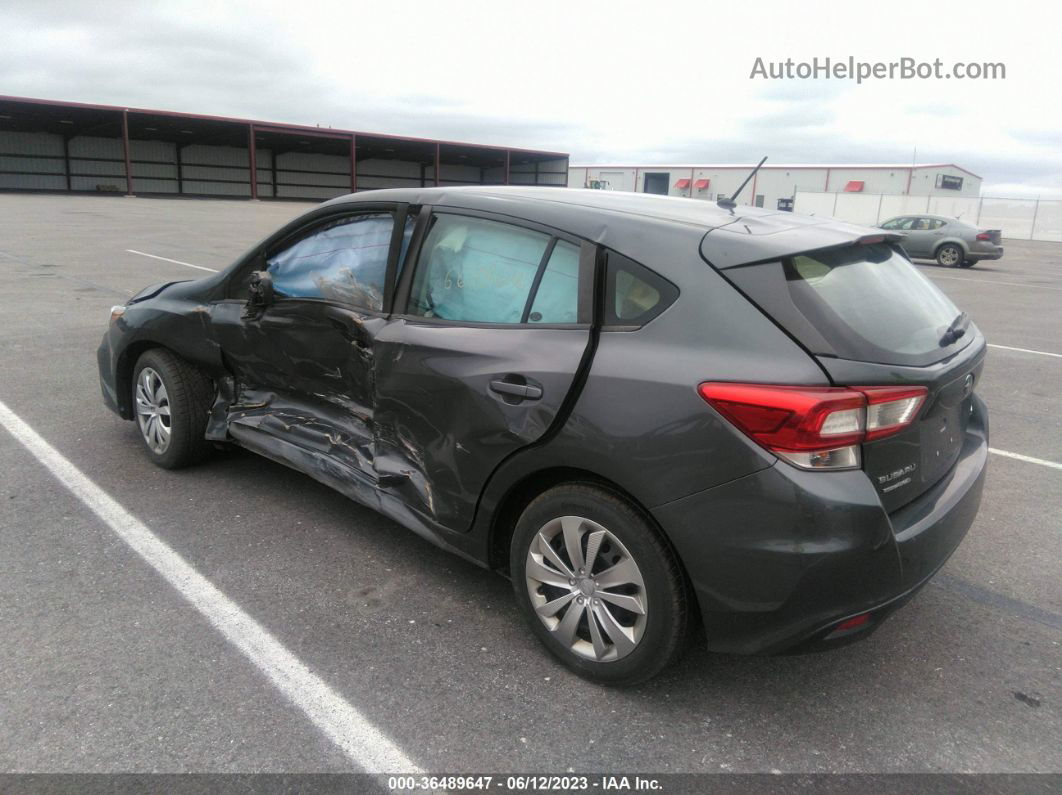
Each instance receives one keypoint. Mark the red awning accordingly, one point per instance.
(701, 184)
(855, 186)
(682, 183)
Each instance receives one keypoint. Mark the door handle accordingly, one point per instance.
(520, 391)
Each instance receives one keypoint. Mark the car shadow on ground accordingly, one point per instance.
(699, 676)
(929, 263)
(916, 667)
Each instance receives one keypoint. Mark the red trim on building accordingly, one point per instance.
(125, 151)
(353, 164)
(682, 184)
(702, 184)
(854, 186)
(267, 125)
(252, 161)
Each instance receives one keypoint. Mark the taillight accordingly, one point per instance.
(984, 236)
(890, 409)
(815, 427)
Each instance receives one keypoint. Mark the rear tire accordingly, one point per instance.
(949, 255)
(617, 614)
(171, 404)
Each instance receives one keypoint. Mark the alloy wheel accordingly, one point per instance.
(949, 255)
(153, 410)
(586, 588)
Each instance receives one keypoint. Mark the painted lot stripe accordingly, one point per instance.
(932, 275)
(167, 259)
(1025, 350)
(1026, 458)
(362, 742)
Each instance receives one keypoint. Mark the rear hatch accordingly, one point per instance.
(870, 318)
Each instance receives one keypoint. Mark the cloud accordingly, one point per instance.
(936, 108)
(803, 91)
(1048, 138)
(795, 117)
(585, 77)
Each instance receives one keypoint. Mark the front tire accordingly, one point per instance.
(171, 404)
(597, 584)
(949, 255)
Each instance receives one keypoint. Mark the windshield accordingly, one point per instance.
(870, 302)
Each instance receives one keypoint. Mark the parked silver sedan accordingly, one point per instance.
(952, 243)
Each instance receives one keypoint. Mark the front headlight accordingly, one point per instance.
(116, 312)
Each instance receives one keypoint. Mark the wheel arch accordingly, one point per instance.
(954, 241)
(123, 372)
(522, 492)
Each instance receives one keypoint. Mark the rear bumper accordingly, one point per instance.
(778, 558)
(989, 252)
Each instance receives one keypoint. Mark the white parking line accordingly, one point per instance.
(362, 742)
(1025, 350)
(1026, 458)
(167, 259)
(933, 275)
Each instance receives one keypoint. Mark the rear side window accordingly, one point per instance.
(866, 303)
(344, 261)
(634, 295)
(482, 271)
(476, 270)
(557, 297)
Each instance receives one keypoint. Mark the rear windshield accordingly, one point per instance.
(857, 302)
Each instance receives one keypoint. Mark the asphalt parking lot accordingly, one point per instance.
(105, 666)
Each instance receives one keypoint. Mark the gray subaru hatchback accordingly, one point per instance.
(648, 412)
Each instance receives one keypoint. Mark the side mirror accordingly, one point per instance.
(260, 291)
(259, 294)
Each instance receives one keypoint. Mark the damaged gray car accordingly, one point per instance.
(650, 413)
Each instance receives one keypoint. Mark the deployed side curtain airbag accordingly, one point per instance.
(477, 270)
(344, 262)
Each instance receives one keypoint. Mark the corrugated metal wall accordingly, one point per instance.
(544, 172)
(215, 170)
(373, 173)
(304, 175)
(39, 158)
(38, 161)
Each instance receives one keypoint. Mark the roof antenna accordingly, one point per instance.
(730, 204)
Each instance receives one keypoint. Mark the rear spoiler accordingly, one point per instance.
(886, 237)
(762, 238)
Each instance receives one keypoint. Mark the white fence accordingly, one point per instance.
(1023, 219)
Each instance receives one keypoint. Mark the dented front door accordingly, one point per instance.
(303, 375)
(303, 364)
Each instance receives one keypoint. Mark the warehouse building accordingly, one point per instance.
(775, 186)
(81, 148)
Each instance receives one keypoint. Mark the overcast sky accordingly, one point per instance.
(651, 82)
